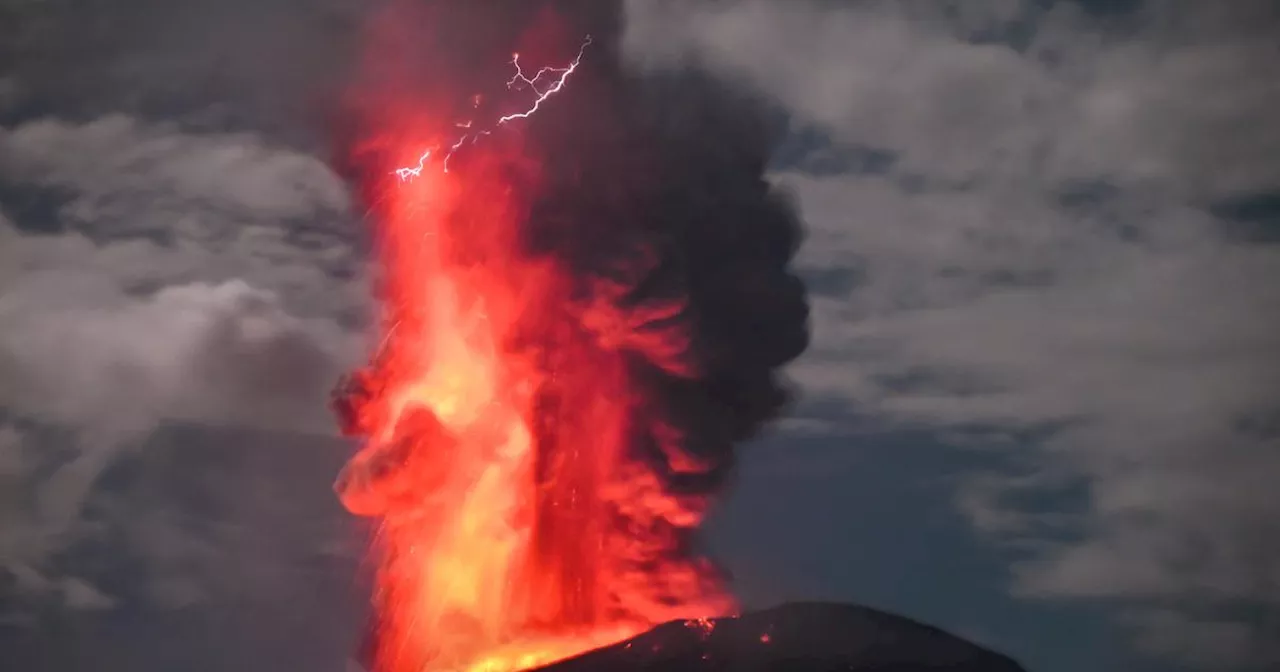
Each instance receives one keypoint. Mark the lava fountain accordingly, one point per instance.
(583, 311)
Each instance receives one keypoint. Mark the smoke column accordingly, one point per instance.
(583, 312)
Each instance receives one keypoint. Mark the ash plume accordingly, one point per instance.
(647, 194)
(651, 183)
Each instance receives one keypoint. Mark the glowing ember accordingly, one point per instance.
(704, 626)
(517, 528)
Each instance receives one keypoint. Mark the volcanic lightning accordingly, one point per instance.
(409, 172)
(594, 318)
(533, 83)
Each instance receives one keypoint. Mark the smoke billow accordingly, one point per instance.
(652, 185)
(672, 299)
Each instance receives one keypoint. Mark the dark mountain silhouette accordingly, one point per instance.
(797, 637)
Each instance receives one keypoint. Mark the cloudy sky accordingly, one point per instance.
(1042, 248)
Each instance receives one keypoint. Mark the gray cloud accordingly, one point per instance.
(117, 157)
(1182, 105)
(198, 278)
(266, 66)
(1208, 641)
(1039, 254)
(180, 281)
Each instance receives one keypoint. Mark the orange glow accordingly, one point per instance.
(516, 529)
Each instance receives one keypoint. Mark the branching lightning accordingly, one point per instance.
(557, 78)
(533, 83)
(413, 171)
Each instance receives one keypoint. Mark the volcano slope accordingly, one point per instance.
(796, 637)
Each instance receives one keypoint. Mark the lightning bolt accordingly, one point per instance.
(557, 78)
(413, 171)
(533, 83)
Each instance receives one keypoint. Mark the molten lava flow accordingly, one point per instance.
(518, 526)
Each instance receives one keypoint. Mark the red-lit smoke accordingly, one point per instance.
(582, 314)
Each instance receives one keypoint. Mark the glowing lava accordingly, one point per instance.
(517, 525)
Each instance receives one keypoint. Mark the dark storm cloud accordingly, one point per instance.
(1044, 255)
(675, 167)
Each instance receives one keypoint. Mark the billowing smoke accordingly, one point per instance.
(647, 258)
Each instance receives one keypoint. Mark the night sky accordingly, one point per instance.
(1039, 409)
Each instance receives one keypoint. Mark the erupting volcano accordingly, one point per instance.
(585, 303)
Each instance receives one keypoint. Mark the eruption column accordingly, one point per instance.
(559, 385)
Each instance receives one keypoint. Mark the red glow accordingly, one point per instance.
(516, 527)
